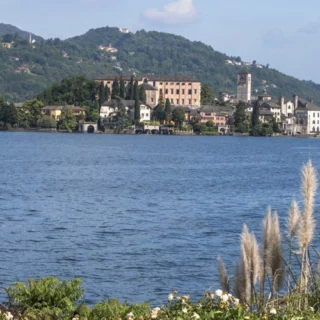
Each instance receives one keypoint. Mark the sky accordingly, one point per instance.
(281, 33)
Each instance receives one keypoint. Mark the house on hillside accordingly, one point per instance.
(108, 49)
(124, 30)
(7, 45)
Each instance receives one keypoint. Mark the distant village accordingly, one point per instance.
(295, 116)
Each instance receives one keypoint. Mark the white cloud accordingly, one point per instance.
(175, 12)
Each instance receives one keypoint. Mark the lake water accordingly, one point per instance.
(138, 216)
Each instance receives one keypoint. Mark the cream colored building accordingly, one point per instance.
(182, 91)
(244, 86)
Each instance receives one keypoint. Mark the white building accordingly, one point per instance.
(124, 30)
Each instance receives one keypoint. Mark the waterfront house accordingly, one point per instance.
(308, 116)
(55, 111)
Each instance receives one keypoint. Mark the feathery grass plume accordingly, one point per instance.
(266, 227)
(308, 188)
(275, 255)
(254, 260)
(293, 219)
(224, 280)
(307, 221)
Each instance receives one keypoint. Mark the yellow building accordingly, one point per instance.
(7, 45)
(181, 91)
(55, 111)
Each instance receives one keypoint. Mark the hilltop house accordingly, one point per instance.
(182, 91)
(7, 45)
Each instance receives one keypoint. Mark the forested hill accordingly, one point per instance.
(26, 70)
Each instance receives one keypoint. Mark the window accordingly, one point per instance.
(147, 114)
(195, 100)
(314, 114)
(189, 91)
(171, 100)
(189, 101)
(313, 122)
(318, 114)
(166, 83)
(189, 84)
(178, 83)
(195, 91)
(151, 99)
(142, 114)
(171, 91)
(289, 107)
(161, 91)
(178, 101)
(161, 83)
(183, 91)
(182, 101)
(177, 91)
(166, 91)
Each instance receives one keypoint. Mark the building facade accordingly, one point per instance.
(244, 87)
(182, 91)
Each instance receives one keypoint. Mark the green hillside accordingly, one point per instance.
(49, 61)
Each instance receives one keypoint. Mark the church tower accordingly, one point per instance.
(244, 86)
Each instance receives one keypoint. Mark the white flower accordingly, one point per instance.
(229, 295)
(236, 302)
(211, 295)
(219, 293)
(312, 309)
(195, 316)
(273, 311)
(154, 313)
(130, 316)
(8, 316)
(225, 297)
(170, 297)
(184, 310)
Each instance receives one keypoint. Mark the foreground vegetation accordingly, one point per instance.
(269, 282)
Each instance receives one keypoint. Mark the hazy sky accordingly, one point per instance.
(283, 33)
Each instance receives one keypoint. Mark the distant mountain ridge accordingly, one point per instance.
(26, 70)
(10, 29)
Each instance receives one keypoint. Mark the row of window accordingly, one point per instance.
(142, 115)
(161, 83)
(314, 122)
(314, 115)
(183, 91)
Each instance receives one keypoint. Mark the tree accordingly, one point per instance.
(161, 99)
(142, 94)
(210, 124)
(255, 115)
(107, 93)
(8, 113)
(240, 118)
(178, 116)
(102, 94)
(115, 89)
(168, 111)
(130, 93)
(46, 122)
(122, 88)
(159, 113)
(137, 110)
(206, 94)
(67, 120)
(136, 91)
(31, 112)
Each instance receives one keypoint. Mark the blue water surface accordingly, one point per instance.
(138, 216)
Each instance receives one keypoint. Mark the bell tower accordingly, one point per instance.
(244, 86)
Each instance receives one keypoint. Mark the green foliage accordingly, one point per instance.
(30, 113)
(241, 121)
(206, 94)
(67, 120)
(8, 114)
(178, 116)
(255, 115)
(142, 94)
(47, 298)
(159, 113)
(168, 111)
(102, 94)
(115, 89)
(46, 122)
(76, 91)
(122, 91)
